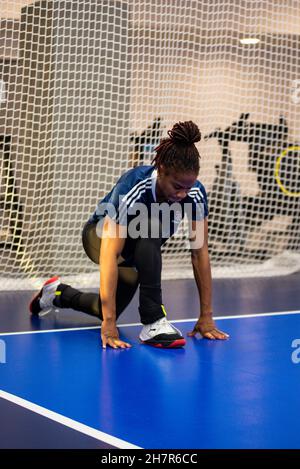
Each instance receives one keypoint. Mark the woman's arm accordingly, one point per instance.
(202, 273)
(112, 244)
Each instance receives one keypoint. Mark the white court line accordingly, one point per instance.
(242, 316)
(80, 427)
(47, 331)
(217, 318)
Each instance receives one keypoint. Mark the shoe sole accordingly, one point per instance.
(175, 344)
(39, 294)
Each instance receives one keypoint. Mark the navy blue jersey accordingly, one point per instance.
(135, 190)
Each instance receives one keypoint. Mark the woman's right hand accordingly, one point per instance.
(110, 335)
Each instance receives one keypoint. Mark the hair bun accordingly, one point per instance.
(185, 133)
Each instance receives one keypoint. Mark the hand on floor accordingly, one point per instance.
(110, 336)
(207, 328)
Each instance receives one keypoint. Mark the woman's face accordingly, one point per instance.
(174, 186)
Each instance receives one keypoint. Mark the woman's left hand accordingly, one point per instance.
(207, 328)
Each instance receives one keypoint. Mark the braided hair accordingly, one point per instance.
(178, 151)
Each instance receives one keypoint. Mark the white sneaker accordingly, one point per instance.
(43, 301)
(162, 334)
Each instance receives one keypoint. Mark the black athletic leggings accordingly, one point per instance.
(142, 266)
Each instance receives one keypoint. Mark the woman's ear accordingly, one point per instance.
(161, 170)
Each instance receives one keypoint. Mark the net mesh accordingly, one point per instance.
(87, 89)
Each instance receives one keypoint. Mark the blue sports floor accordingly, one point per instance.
(60, 389)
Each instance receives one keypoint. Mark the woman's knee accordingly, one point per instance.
(91, 242)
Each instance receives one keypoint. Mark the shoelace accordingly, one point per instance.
(165, 326)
